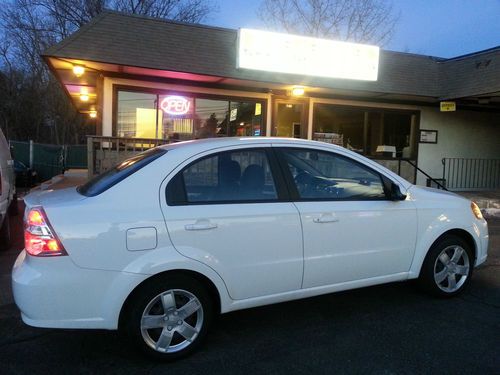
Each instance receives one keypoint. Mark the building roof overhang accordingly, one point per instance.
(120, 45)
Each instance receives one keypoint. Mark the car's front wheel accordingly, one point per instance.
(448, 266)
(169, 317)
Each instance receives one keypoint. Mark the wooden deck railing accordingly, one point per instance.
(105, 152)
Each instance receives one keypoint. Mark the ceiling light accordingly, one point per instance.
(78, 70)
(298, 91)
(84, 97)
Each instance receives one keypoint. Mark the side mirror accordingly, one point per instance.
(395, 193)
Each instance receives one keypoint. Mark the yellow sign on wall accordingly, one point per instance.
(448, 106)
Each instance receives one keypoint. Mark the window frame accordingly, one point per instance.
(292, 187)
(177, 187)
(193, 94)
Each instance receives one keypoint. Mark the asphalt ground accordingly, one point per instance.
(387, 329)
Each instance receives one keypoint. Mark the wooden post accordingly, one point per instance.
(90, 157)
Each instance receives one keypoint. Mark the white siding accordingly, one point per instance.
(461, 134)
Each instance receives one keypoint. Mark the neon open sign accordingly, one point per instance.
(176, 105)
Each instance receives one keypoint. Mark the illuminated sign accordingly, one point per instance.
(447, 106)
(176, 105)
(293, 54)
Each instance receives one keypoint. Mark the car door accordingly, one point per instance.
(230, 210)
(352, 231)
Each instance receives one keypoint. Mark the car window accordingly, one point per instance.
(104, 181)
(238, 176)
(324, 175)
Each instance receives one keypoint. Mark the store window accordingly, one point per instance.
(372, 132)
(136, 115)
(184, 117)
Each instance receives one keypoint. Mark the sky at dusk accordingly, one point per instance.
(444, 28)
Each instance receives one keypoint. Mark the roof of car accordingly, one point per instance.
(210, 143)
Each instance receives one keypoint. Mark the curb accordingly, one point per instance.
(491, 213)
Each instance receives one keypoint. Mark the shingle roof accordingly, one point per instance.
(146, 42)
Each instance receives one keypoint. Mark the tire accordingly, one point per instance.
(14, 207)
(171, 334)
(448, 267)
(5, 234)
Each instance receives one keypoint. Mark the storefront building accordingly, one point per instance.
(147, 78)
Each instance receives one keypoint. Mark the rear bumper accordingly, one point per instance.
(55, 293)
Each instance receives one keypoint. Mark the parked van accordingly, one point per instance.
(7, 191)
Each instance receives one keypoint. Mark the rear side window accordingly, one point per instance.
(104, 181)
(228, 177)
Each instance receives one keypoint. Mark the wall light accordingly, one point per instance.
(298, 91)
(93, 114)
(78, 70)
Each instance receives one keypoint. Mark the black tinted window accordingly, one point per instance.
(229, 177)
(104, 181)
(324, 175)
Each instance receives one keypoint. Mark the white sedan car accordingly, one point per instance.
(160, 244)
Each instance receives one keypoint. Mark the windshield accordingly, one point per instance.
(104, 181)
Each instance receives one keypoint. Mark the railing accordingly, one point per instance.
(430, 180)
(408, 169)
(105, 152)
(471, 174)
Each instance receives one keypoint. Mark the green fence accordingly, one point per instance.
(49, 160)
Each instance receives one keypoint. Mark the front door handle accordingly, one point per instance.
(328, 218)
(200, 225)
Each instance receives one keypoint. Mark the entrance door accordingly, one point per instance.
(290, 119)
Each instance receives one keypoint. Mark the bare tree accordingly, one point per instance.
(27, 28)
(363, 21)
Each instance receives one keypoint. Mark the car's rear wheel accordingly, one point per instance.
(448, 266)
(168, 317)
(5, 234)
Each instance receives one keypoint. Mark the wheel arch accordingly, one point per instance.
(202, 279)
(458, 232)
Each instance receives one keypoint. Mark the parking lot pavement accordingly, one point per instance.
(388, 329)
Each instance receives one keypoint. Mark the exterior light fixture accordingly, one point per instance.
(93, 114)
(84, 97)
(78, 70)
(298, 91)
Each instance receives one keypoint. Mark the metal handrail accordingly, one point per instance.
(441, 186)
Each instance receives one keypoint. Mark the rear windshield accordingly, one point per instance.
(104, 181)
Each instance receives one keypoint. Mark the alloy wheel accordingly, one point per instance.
(451, 268)
(172, 321)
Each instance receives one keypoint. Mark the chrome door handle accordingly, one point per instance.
(200, 226)
(325, 219)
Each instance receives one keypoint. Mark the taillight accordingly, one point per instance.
(39, 236)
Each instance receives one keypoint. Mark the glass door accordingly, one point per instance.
(289, 119)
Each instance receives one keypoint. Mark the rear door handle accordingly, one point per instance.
(326, 218)
(200, 225)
